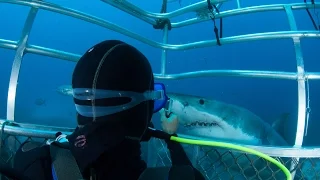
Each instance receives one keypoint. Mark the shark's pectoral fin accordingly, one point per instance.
(281, 124)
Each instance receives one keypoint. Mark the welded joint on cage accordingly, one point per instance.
(301, 75)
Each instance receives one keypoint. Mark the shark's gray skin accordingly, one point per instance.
(220, 121)
(214, 119)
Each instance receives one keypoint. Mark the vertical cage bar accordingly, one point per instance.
(12, 144)
(164, 51)
(300, 79)
(301, 89)
(238, 4)
(12, 91)
(301, 94)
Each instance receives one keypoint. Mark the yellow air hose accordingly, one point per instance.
(235, 147)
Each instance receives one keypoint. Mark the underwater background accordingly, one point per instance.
(38, 101)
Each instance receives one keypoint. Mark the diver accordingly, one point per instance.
(115, 97)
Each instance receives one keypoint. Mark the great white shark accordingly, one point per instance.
(219, 121)
(216, 120)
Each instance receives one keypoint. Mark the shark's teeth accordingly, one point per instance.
(201, 123)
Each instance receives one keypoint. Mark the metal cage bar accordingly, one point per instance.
(14, 77)
(301, 80)
(48, 132)
(164, 51)
(140, 13)
(21, 47)
(200, 44)
(301, 86)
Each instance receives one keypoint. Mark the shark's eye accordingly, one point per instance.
(201, 101)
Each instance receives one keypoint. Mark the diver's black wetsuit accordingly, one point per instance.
(120, 163)
(179, 157)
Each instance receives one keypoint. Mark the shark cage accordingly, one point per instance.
(214, 163)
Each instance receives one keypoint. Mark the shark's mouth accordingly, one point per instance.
(201, 123)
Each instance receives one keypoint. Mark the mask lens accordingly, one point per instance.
(160, 103)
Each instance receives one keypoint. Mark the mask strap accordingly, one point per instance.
(94, 84)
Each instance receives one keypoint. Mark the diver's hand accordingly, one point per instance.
(169, 124)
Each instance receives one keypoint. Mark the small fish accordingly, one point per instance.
(65, 90)
(40, 102)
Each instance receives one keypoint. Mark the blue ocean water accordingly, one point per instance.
(269, 98)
